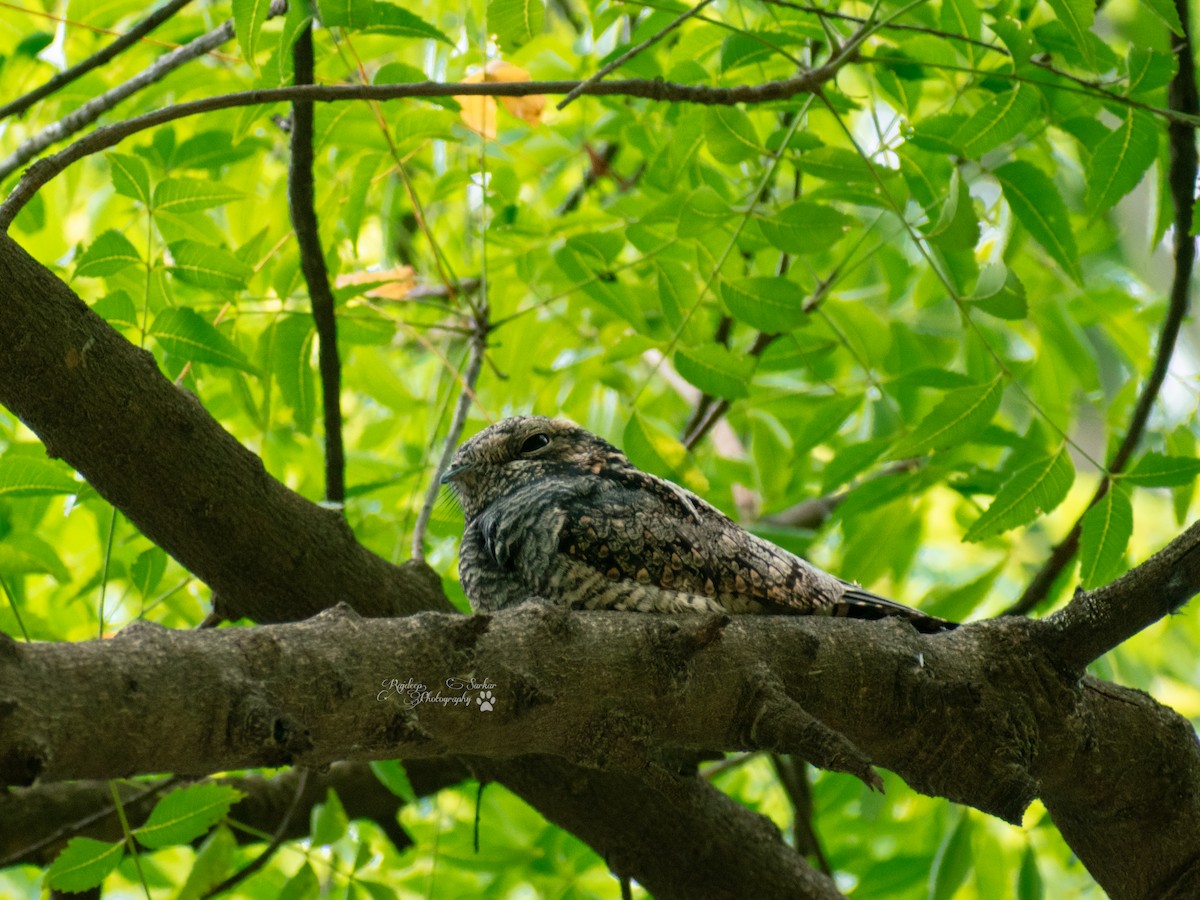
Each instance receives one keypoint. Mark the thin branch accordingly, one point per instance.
(632, 52)
(281, 832)
(713, 415)
(1095, 622)
(301, 202)
(96, 107)
(46, 169)
(793, 778)
(888, 26)
(478, 344)
(706, 400)
(65, 77)
(1182, 181)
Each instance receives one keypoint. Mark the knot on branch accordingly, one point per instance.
(673, 644)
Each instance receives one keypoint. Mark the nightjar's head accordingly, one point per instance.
(521, 450)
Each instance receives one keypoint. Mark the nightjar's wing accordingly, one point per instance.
(639, 542)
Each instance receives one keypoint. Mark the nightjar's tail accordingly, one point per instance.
(856, 603)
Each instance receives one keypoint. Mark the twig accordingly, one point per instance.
(96, 107)
(632, 52)
(1182, 180)
(793, 777)
(65, 77)
(478, 344)
(102, 138)
(302, 204)
(277, 840)
(714, 412)
(889, 26)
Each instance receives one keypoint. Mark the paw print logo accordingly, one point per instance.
(486, 701)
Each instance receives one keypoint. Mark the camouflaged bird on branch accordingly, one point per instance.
(556, 513)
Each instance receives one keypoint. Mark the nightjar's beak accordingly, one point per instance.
(454, 471)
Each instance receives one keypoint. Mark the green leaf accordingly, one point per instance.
(84, 864)
(953, 860)
(213, 863)
(393, 776)
(1077, 17)
(23, 476)
(999, 292)
(730, 135)
(1148, 70)
(770, 304)
(958, 602)
(24, 553)
(957, 227)
(117, 310)
(1157, 470)
(130, 176)
(188, 195)
(1106, 530)
(1029, 879)
(838, 165)
(297, 19)
(1037, 488)
(329, 820)
(702, 211)
(652, 449)
(962, 17)
(1037, 204)
(744, 48)
(207, 266)
(515, 22)
(961, 415)
(1120, 160)
(999, 120)
(371, 15)
(805, 227)
(715, 370)
(147, 570)
(290, 362)
(1165, 10)
(109, 253)
(185, 333)
(248, 19)
(305, 885)
(186, 813)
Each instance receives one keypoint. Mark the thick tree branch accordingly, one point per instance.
(152, 450)
(985, 715)
(1097, 621)
(756, 864)
(302, 206)
(1182, 180)
(99, 58)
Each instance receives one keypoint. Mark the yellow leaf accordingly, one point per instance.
(396, 285)
(479, 113)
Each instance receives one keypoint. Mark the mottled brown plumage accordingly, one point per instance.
(555, 513)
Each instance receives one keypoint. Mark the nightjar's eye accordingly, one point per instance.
(534, 442)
